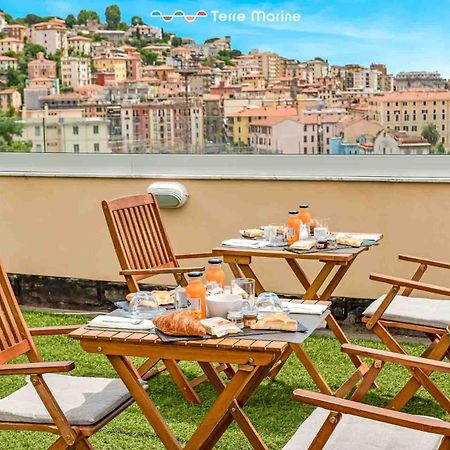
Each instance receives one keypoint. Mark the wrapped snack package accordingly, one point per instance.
(219, 327)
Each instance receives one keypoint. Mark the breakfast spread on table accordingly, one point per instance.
(301, 233)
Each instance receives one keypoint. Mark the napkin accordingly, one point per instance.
(364, 236)
(124, 323)
(245, 243)
(305, 308)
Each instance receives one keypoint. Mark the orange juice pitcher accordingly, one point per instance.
(304, 215)
(293, 226)
(215, 273)
(196, 294)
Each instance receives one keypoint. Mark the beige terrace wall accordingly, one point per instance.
(55, 226)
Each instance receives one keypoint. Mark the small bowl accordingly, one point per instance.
(220, 305)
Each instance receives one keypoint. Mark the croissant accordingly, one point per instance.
(179, 323)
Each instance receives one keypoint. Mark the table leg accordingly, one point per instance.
(211, 425)
(312, 291)
(131, 379)
(280, 363)
(300, 275)
(182, 382)
(311, 369)
(235, 270)
(236, 411)
(242, 399)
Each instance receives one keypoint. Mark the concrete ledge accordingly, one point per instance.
(392, 168)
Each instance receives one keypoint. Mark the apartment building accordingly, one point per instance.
(144, 32)
(306, 135)
(410, 111)
(316, 70)
(407, 81)
(243, 119)
(65, 131)
(52, 35)
(115, 64)
(41, 67)
(7, 62)
(75, 72)
(10, 44)
(15, 31)
(269, 64)
(166, 127)
(366, 80)
(114, 36)
(79, 45)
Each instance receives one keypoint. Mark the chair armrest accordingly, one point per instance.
(36, 368)
(194, 255)
(426, 424)
(394, 281)
(166, 270)
(404, 360)
(428, 262)
(53, 331)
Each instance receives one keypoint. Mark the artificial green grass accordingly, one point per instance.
(271, 409)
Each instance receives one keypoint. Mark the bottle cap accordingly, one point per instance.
(293, 213)
(304, 206)
(215, 261)
(195, 274)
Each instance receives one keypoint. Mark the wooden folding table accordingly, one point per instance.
(339, 262)
(252, 356)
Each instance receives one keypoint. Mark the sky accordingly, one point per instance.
(403, 34)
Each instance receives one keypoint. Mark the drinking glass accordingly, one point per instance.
(322, 229)
(180, 299)
(245, 287)
(270, 234)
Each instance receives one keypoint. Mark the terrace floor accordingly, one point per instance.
(275, 415)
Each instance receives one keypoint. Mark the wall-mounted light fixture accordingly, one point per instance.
(169, 194)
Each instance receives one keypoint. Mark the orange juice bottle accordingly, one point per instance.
(304, 215)
(215, 272)
(196, 294)
(293, 226)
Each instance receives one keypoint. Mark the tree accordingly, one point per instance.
(431, 133)
(31, 19)
(71, 21)
(112, 15)
(176, 41)
(148, 57)
(136, 20)
(10, 128)
(84, 15)
(440, 149)
(122, 26)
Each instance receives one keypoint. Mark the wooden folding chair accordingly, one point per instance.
(339, 423)
(143, 248)
(73, 408)
(430, 316)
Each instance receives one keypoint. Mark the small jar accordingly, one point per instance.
(322, 244)
(250, 318)
(237, 318)
(332, 243)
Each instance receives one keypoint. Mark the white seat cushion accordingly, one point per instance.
(356, 433)
(83, 400)
(418, 311)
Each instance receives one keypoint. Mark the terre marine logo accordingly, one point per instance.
(179, 14)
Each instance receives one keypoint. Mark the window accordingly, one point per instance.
(95, 129)
(76, 148)
(75, 130)
(96, 147)
(38, 147)
(443, 127)
(305, 139)
(37, 131)
(414, 128)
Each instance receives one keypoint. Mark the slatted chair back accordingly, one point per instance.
(138, 234)
(15, 338)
